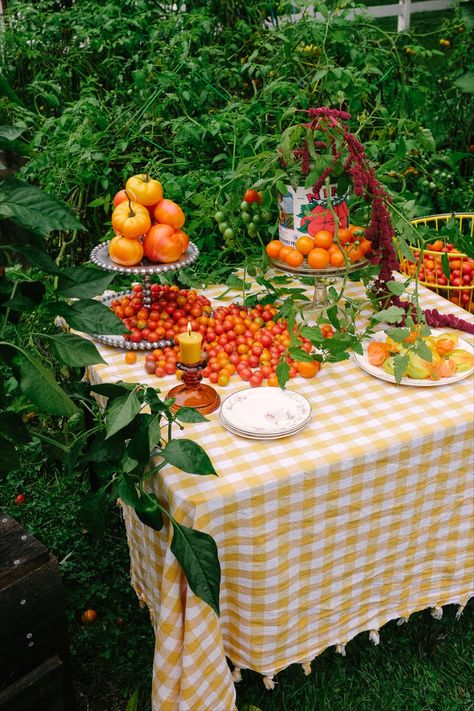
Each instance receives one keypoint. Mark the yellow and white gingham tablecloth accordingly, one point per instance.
(363, 517)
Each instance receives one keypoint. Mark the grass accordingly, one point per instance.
(425, 665)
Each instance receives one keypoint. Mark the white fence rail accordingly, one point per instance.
(403, 11)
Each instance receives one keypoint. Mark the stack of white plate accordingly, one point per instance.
(265, 413)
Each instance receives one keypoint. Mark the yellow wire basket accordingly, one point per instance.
(459, 287)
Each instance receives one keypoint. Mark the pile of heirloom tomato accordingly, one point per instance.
(248, 342)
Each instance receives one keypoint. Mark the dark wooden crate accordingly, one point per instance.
(32, 611)
(39, 690)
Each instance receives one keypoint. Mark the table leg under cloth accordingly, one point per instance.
(309, 558)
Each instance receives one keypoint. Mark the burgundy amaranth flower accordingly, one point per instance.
(331, 134)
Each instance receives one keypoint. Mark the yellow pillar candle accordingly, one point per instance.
(190, 346)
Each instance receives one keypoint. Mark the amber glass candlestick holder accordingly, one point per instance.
(193, 393)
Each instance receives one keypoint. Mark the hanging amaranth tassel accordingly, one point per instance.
(402, 621)
(306, 667)
(374, 636)
(341, 649)
(269, 683)
(236, 674)
(437, 612)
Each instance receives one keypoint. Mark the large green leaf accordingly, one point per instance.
(89, 316)
(196, 552)
(73, 350)
(83, 282)
(188, 456)
(120, 412)
(127, 491)
(113, 389)
(103, 450)
(190, 414)
(41, 387)
(35, 256)
(34, 209)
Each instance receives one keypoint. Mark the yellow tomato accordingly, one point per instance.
(147, 191)
(131, 219)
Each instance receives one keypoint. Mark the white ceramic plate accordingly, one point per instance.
(261, 437)
(363, 362)
(265, 411)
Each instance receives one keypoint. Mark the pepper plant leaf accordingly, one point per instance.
(83, 282)
(73, 350)
(196, 552)
(34, 209)
(89, 316)
(120, 412)
(188, 456)
(189, 414)
(41, 387)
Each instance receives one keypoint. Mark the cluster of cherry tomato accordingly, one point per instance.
(170, 311)
(248, 342)
(321, 250)
(459, 287)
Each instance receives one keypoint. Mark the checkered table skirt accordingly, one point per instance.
(363, 517)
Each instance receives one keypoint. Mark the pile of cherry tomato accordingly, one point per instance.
(459, 286)
(236, 339)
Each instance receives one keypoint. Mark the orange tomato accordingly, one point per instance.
(89, 616)
(130, 357)
(354, 252)
(294, 258)
(147, 191)
(323, 239)
(124, 251)
(273, 248)
(308, 369)
(318, 258)
(437, 246)
(184, 239)
(345, 235)
(365, 245)
(168, 212)
(305, 244)
(336, 258)
(162, 244)
(122, 196)
(356, 231)
(284, 251)
(377, 353)
(131, 219)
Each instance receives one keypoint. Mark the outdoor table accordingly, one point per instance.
(364, 516)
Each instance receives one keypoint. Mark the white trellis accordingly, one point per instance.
(403, 10)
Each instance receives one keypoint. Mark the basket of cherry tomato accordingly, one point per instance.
(440, 265)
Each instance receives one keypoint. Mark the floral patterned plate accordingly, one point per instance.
(265, 412)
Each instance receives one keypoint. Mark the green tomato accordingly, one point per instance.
(223, 226)
(256, 219)
(267, 216)
(252, 229)
(244, 206)
(219, 216)
(229, 233)
(246, 217)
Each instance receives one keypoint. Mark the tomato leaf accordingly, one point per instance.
(73, 350)
(35, 256)
(400, 364)
(89, 316)
(282, 373)
(196, 552)
(120, 412)
(396, 287)
(39, 384)
(127, 491)
(188, 456)
(445, 265)
(391, 315)
(83, 282)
